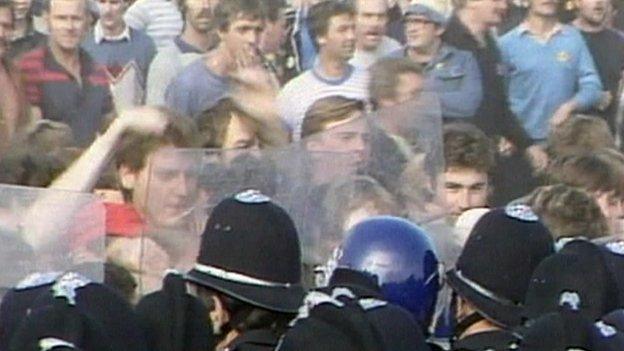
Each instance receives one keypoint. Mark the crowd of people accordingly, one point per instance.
(185, 175)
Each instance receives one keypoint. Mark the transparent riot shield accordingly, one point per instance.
(185, 185)
(385, 163)
(44, 230)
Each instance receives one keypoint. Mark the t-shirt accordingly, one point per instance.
(196, 89)
(364, 59)
(300, 93)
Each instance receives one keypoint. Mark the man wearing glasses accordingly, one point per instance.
(450, 72)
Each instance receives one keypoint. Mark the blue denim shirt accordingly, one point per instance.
(454, 74)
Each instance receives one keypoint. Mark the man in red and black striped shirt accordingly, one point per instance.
(62, 82)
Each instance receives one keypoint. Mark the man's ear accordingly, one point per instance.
(127, 177)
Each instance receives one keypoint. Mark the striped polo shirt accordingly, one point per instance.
(160, 19)
(61, 98)
(301, 92)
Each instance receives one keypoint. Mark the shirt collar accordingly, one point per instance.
(523, 28)
(98, 34)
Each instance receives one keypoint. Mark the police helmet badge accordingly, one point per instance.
(571, 300)
(616, 247)
(252, 196)
(521, 212)
(47, 344)
(606, 330)
(67, 285)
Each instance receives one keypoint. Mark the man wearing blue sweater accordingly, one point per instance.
(551, 73)
(115, 45)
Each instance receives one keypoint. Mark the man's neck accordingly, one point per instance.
(541, 26)
(480, 327)
(331, 67)
(360, 47)
(202, 41)
(68, 59)
(20, 28)
(425, 55)
(587, 26)
(220, 61)
(113, 31)
(478, 29)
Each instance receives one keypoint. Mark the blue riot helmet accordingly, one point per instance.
(401, 256)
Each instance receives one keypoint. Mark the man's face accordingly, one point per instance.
(420, 32)
(200, 15)
(409, 86)
(593, 11)
(165, 190)
(488, 12)
(371, 20)
(67, 21)
(350, 136)
(274, 35)
(6, 29)
(111, 13)
(544, 8)
(339, 41)
(240, 134)
(21, 8)
(242, 38)
(611, 207)
(465, 188)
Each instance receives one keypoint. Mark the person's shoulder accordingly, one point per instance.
(141, 37)
(510, 36)
(296, 83)
(32, 60)
(192, 73)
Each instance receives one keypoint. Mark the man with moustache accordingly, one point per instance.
(199, 36)
(333, 28)
(550, 70)
(62, 81)
(12, 104)
(606, 47)
(203, 83)
(115, 45)
(370, 27)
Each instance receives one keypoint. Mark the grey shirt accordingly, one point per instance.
(195, 89)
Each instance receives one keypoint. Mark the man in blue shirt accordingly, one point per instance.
(452, 73)
(551, 73)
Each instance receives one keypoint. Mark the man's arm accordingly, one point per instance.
(589, 87)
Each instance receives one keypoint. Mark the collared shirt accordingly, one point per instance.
(185, 47)
(524, 28)
(61, 98)
(493, 115)
(301, 92)
(543, 75)
(454, 75)
(99, 36)
(131, 46)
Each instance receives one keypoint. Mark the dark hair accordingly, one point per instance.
(328, 110)
(214, 122)
(228, 10)
(180, 132)
(466, 146)
(385, 76)
(273, 8)
(321, 14)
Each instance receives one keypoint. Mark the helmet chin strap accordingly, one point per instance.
(467, 322)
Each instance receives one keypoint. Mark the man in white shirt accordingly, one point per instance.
(370, 27)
